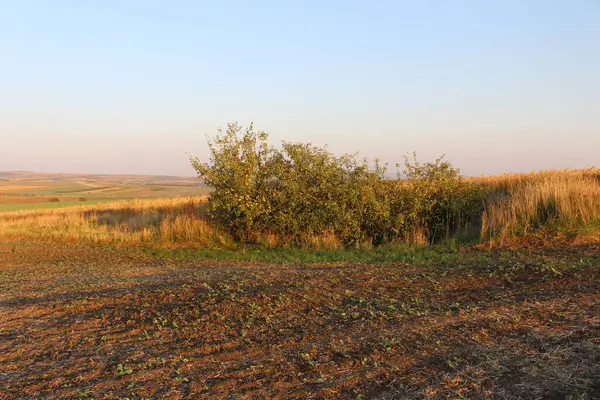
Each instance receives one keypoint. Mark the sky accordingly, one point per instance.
(124, 86)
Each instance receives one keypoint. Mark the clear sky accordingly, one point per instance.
(123, 86)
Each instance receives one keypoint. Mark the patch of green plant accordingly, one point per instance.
(123, 370)
(47, 205)
(382, 254)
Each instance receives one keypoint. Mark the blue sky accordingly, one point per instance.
(133, 86)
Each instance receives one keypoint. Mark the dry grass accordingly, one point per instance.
(508, 182)
(547, 203)
(162, 221)
(566, 202)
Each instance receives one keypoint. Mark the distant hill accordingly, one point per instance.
(110, 178)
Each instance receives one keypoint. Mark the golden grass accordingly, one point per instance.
(162, 221)
(566, 202)
(549, 203)
(89, 184)
(508, 182)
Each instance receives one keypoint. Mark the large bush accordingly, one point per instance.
(443, 203)
(300, 191)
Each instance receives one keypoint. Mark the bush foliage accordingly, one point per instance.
(301, 191)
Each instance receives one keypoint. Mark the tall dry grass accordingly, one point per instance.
(548, 202)
(138, 222)
(516, 205)
(159, 222)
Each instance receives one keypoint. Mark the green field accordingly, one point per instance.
(27, 191)
(46, 206)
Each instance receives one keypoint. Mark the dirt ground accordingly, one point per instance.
(82, 322)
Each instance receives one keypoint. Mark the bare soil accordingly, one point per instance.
(84, 322)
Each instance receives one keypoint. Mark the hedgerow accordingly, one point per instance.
(298, 191)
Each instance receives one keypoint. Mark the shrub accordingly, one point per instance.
(301, 191)
(54, 200)
(444, 203)
(236, 171)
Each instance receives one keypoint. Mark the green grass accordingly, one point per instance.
(69, 191)
(505, 264)
(385, 254)
(63, 188)
(84, 190)
(48, 205)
